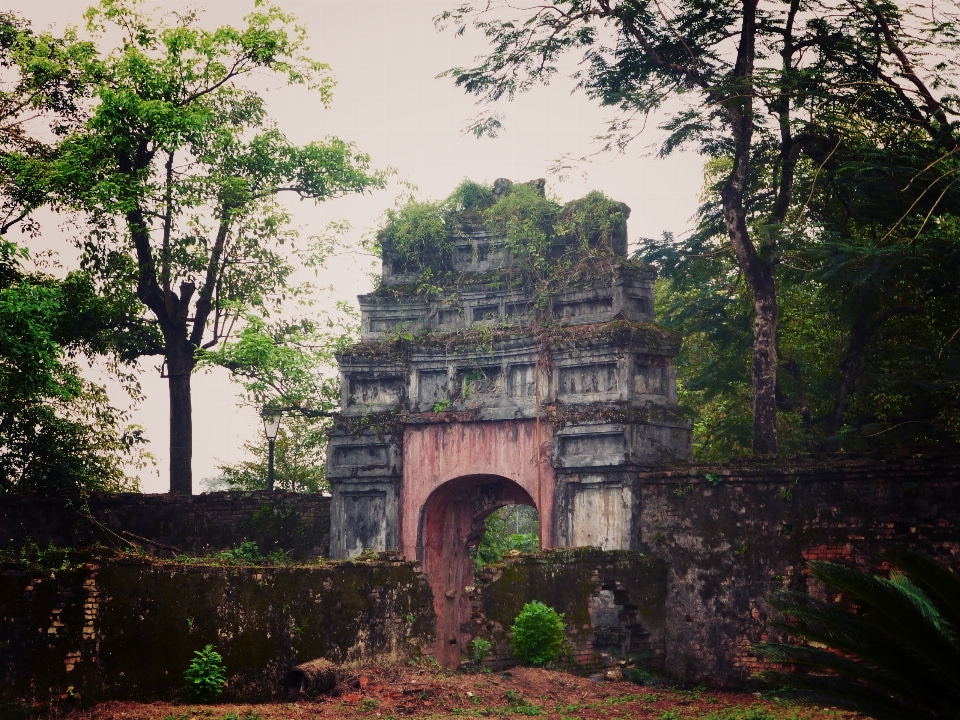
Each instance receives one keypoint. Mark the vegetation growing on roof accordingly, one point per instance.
(550, 245)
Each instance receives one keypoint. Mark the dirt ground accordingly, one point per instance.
(425, 692)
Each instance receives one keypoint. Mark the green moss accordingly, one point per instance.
(544, 239)
(656, 338)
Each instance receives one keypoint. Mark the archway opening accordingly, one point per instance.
(451, 523)
(512, 528)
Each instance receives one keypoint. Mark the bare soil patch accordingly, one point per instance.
(426, 692)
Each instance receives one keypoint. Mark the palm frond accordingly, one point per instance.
(941, 584)
(835, 692)
(894, 612)
(896, 658)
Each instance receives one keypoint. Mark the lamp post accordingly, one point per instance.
(271, 425)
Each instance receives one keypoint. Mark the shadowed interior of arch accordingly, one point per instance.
(451, 522)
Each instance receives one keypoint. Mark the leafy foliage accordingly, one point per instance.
(537, 634)
(548, 244)
(479, 649)
(206, 675)
(897, 657)
(299, 460)
(514, 527)
(179, 168)
(287, 365)
(58, 431)
(45, 91)
(867, 302)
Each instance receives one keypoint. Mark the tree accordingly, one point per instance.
(46, 83)
(763, 85)
(179, 167)
(299, 462)
(286, 367)
(867, 304)
(896, 657)
(58, 431)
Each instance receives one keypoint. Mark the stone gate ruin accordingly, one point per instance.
(485, 391)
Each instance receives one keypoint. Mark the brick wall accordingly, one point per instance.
(612, 602)
(195, 525)
(127, 629)
(730, 542)
(723, 538)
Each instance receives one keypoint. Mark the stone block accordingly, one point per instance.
(363, 456)
(593, 445)
(384, 316)
(599, 514)
(648, 444)
(370, 385)
(363, 517)
(626, 293)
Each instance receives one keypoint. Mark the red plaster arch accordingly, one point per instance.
(455, 475)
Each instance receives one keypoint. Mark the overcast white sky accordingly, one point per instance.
(385, 55)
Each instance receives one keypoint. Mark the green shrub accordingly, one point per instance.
(538, 634)
(469, 200)
(535, 229)
(479, 649)
(417, 234)
(206, 675)
(246, 552)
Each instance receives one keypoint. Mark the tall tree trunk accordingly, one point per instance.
(765, 362)
(181, 436)
(758, 267)
(180, 363)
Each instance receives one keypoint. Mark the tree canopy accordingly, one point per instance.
(58, 431)
(180, 170)
(44, 95)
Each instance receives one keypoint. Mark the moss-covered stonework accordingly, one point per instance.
(612, 602)
(731, 534)
(128, 628)
(193, 525)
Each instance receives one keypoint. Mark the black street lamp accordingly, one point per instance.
(271, 426)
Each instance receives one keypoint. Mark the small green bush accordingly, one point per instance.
(479, 649)
(538, 634)
(246, 552)
(417, 233)
(206, 675)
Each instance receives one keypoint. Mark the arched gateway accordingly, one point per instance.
(465, 400)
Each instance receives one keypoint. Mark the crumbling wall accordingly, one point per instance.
(717, 540)
(128, 628)
(613, 603)
(193, 525)
(732, 534)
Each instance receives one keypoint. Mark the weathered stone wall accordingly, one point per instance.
(194, 525)
(128, 629)
(612, 601)
(730, 542)
(718, 540)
